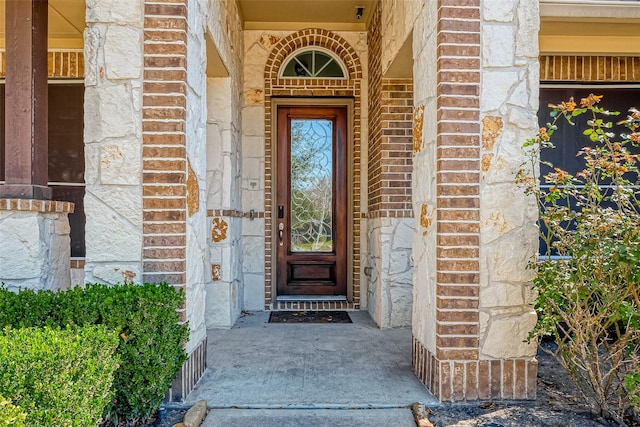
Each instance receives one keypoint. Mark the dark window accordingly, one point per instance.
(313, 63)
(66, 153)
(569, 140)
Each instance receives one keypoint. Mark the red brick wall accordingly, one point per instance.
(374, 152)
(390, 134)
(292, 87)
(396, 148)
(590, 68)
(165, 164)
(164, 153)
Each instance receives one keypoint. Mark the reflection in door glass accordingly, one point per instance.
(311, 185)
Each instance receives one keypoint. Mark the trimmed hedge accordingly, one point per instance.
(11, 415)
(58, 377)
(151, 346)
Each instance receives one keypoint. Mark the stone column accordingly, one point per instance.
(35, 248)
(113, 141)
(26, 172)
(471, 311)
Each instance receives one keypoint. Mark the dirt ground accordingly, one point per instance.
(557, 405)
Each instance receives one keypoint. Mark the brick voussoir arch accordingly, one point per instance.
(349, 87)
(313, 37)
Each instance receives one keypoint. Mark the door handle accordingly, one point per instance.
(280, 232)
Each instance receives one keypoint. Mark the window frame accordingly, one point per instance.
(293, 55)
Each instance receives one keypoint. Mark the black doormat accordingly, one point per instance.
(309, 317)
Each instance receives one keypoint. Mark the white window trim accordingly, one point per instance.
(292, 56)
(600, 9)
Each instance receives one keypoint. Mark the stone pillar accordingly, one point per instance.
(35, 248)
(26, 172)
(113, 141)
(471, 309)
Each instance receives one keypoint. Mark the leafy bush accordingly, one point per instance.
(58, 377)
(10, 415)
(151, 346)
(587, 282)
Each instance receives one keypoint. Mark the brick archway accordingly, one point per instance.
(350, 87)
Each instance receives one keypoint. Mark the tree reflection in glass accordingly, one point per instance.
(311, 185)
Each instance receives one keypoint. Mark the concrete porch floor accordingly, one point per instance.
(260, 366)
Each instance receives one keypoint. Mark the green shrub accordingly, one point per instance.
(11, 415)
(587, 282)
(151, 347)
(59, 377)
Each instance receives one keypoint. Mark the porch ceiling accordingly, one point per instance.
(578, 27)
(297, 14)
(66, 23)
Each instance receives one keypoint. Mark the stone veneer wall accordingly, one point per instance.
(226, 291)
(508, 231)
(35, 248)
(476, 230)
(264, 53)
(113, 140)
(390, 224)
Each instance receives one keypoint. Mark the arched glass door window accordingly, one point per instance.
(313, 63)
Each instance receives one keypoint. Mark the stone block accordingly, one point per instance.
(35, 250)
(498, 10)
(113, 273)
(400, 305)
(253, 255)
(501, 294)
(528, 28)
(253, 291)
(253, 227)
(109, 236)
(502, 209)
(253, 146)
(214, 189)
(123, 52)
(496, 86)
(398, 261)
(195, 415)
(218, 305)
(120, 11)
(497, 45)
(77, 277)
(92, 42)
(121, 163)
(125, 201)
(253, 121)
(506, 259)
(219, 99)
(403, 234)
(505, 336)
(109, 111)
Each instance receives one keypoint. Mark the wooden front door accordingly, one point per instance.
(311, 201)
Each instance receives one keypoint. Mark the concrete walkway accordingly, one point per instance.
(319, 373)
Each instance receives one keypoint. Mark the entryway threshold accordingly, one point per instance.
(304, 298)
